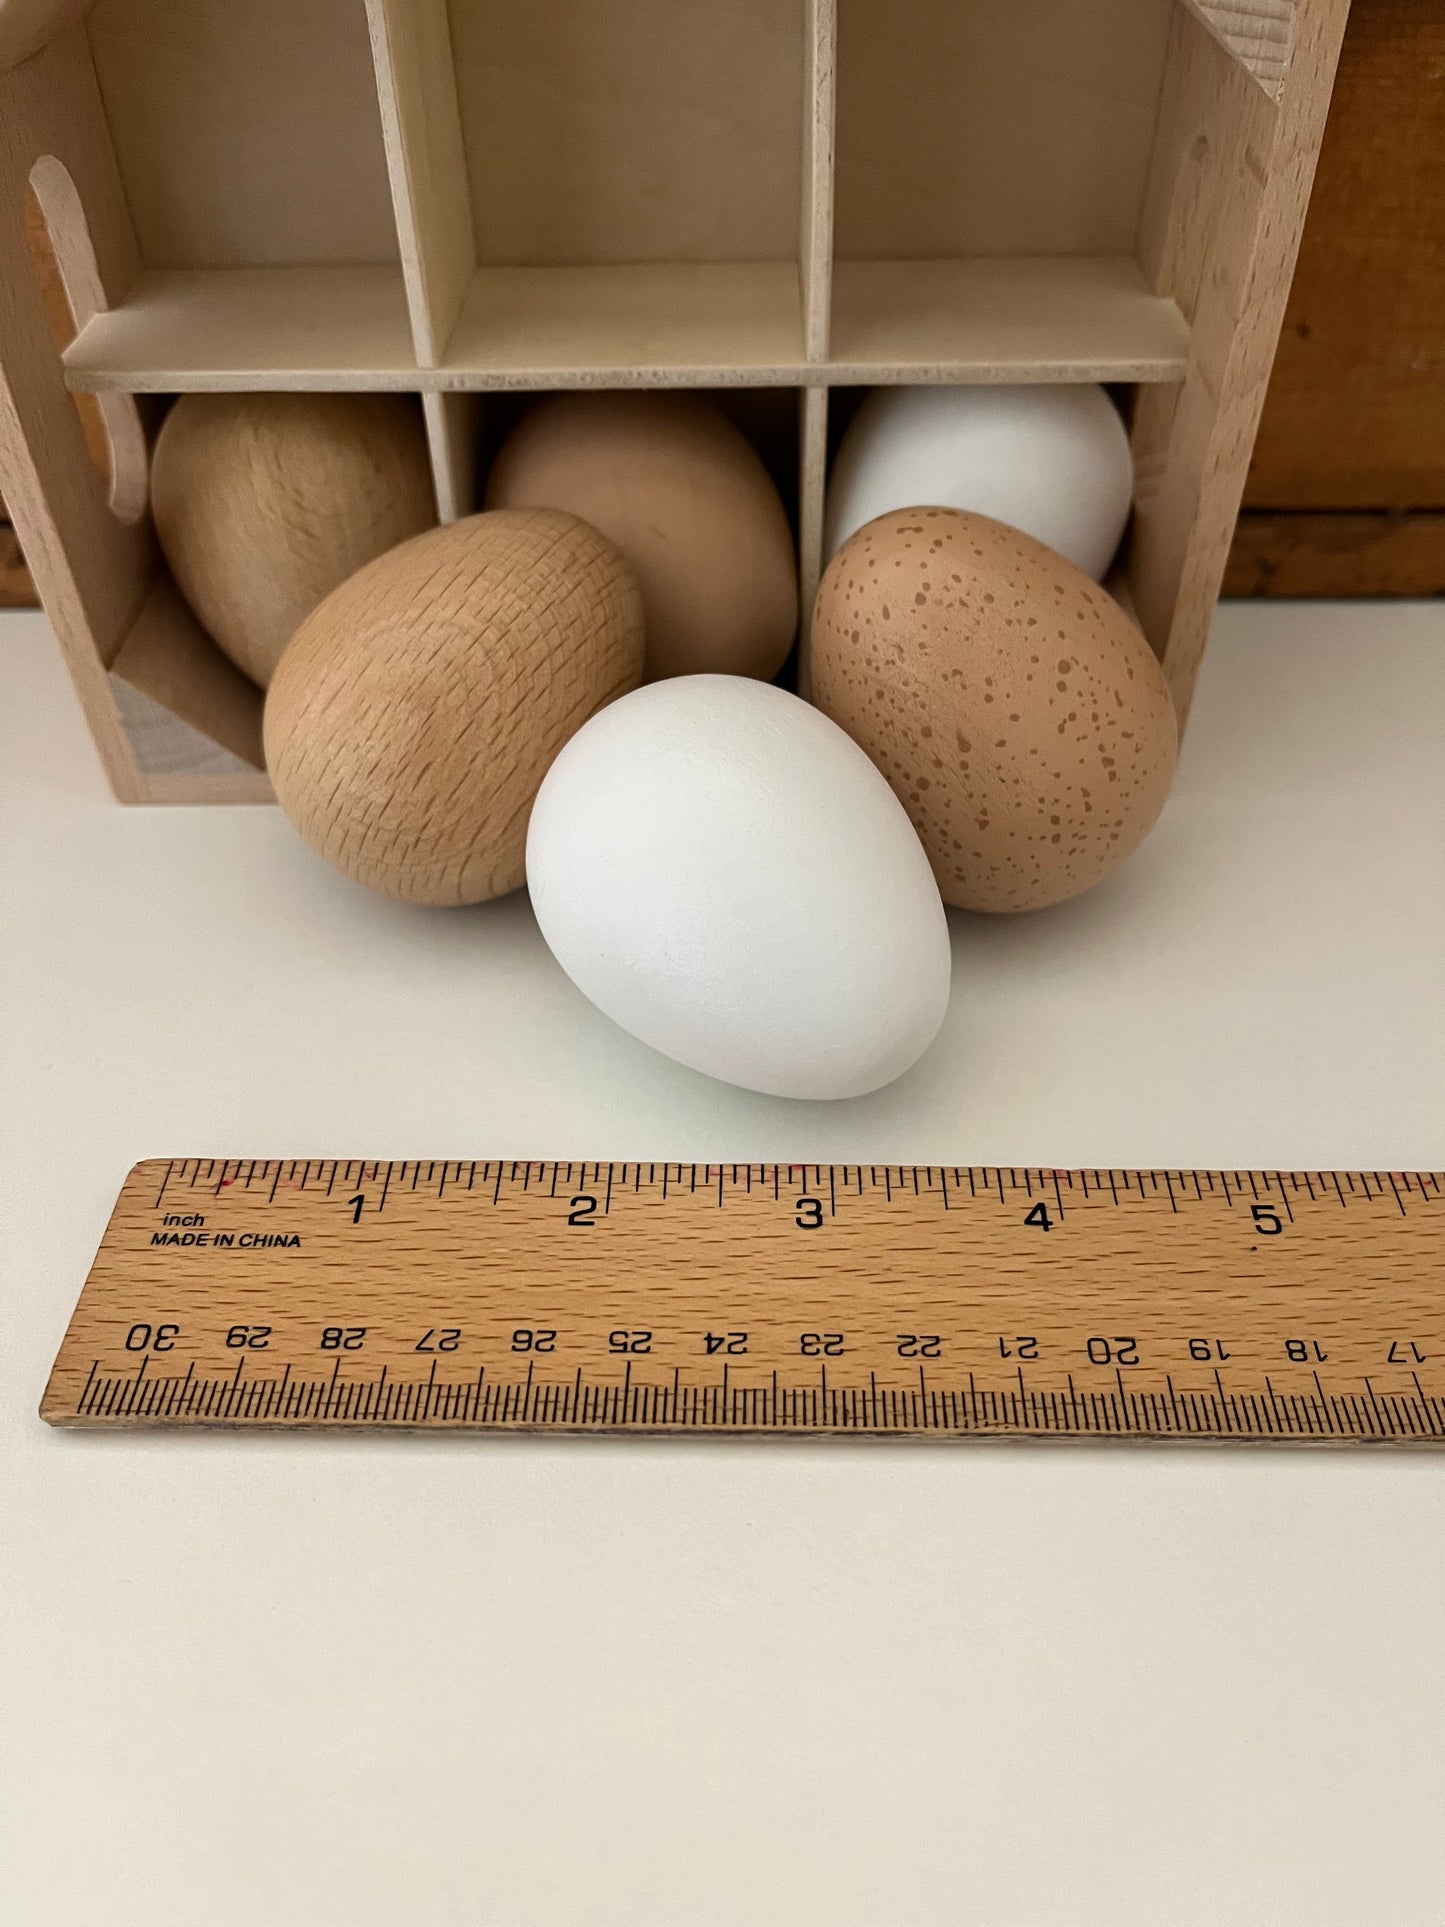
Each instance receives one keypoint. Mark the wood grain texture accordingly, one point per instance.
(940, 1302)
(264, 503)
(686, 501)
(1355, 415)
(1206, 184)
(1257, 33)
(414, 715)
(1230, 181)
(1302, 552)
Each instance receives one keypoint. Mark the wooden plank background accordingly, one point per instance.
(1346, 494)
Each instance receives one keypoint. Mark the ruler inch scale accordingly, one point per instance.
(881, 1301)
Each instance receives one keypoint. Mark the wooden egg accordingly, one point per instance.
(263, 503)
(686, 499)
(413, 716)
(1019, 714)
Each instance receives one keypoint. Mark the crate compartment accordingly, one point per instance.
(247, 131)
(249, 145)
(634, 177)
(795, 197)
(991, 169)
(585, 192)
(599, 134)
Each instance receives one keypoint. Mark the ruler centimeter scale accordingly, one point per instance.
(880, 1300)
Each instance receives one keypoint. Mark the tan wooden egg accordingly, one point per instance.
(264, 502)
(416, 711)
(687, 500)
(1019, 714)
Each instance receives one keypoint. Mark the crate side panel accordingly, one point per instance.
(93, 571)
(1231, 182)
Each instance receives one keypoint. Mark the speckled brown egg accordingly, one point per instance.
(1019, 714)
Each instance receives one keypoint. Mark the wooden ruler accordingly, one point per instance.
(889, 1300)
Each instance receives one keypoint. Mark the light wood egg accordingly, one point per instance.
(1020, 715)
(415, 712)
(265, 502)
(686, 499)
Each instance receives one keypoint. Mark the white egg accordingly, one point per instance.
(727, 876)
(1052, 461)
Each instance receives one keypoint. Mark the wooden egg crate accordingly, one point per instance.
(784, 199)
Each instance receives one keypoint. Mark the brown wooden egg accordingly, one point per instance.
(685, 497)
(414, 714)
(1019, 714)
(263, 503)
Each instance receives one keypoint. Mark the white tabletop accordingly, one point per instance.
(304, 1682)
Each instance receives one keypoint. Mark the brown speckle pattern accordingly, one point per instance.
(415, 712)
(1014, 816)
